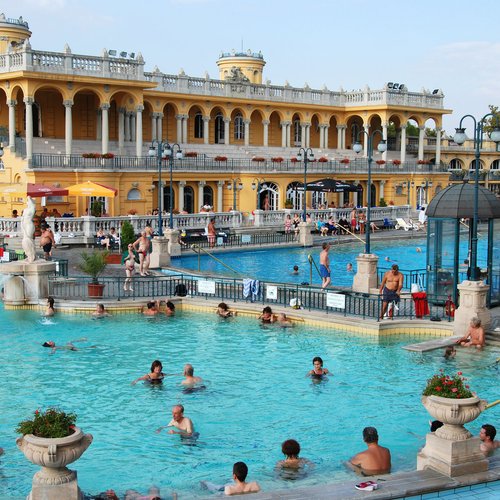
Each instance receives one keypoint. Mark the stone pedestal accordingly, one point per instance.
(26, 283)
(160, 256)
(305, 234)
(366, 276)
(452, 458)
(174, 247)
(472, 303)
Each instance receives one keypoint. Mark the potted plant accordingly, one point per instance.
(191, 154)
(396, 162)
(294, 160)
(107, 156)
(450, 400)
(382, 202)
(288, 203)
(51, 440)
(220, 158)
(259, 159)
(380, 162)
(94, 264)
(277, 159)
(345, 161)
(323, 159)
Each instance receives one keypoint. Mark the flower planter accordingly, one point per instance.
(54, 480)
(454, 413)
(114, 258)
(95, 289)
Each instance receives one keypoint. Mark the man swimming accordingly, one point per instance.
(183, 424)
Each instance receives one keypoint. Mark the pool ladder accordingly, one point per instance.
(198, 250)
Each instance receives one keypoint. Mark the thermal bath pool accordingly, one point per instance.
(257, 396)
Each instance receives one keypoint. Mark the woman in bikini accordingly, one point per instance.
(155, 377)
(318, 371)
(129, 269)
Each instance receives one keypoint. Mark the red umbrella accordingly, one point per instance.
(39, 190)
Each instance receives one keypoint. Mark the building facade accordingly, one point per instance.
(68, 118)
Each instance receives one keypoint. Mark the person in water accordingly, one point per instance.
(240, 472)
(224, 312)
(183, 424)
(100, 311)
(291, 449)
(68, 347)
(152, 308)
(318, 371)
(190, 380)
(267, 315)
(169, 308)
(156, 375)
(283, 321)
(49, 309)
(375, 460)
(450, 352)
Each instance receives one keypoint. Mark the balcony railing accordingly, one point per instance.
(133, 163)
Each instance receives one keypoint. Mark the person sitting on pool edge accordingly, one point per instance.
(474, 336)
(240, 472)
(156, 376)
(267, 315)
(291, 449)
(224, 312)
(375, 460)
(318, 371)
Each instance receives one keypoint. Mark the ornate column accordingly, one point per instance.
(227, 121)
(303, 135)
(339, 137)
(438, 146)
(403, 144)
(68, 126)
(357, 195)
(366, 128)
(121, 129)
(421, 132)
(159, 127)
(138, 130)
(12, 122)
(344, 128)
(185, 129)
(132, 127)
(321, 136)
(384, 136)
(126, 121)
(381, 191)
(28, 101)
(105, 127)
(182, 184)
(247, 132)
(265, 124)
(288, 134)
(206, 130)
(284, 126)
(98, 117)
(220, 196)
(154, 134)
(201, 184)
(179, 128)
(308, 135)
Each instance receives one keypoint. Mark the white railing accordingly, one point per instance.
(86, 227)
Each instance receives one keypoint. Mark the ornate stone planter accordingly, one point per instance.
(454, 413)
(54, 481)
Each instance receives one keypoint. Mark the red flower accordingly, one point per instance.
(36, 412)
(454, 389)
(439, 388)
(459, 373)
(467, 387)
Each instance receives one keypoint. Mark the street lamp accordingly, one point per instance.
(459, 139)
(307, 155)
(357, 148)
(256, 185)
(235, 185)
(161, 153)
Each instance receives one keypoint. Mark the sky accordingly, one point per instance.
(450, 45)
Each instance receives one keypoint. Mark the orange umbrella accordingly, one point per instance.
(90, 188)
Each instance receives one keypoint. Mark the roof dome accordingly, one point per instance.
(457, 201)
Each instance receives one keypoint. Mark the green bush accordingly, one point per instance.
(52, 423)
(93, 264)
(382, 203)
(127, 234)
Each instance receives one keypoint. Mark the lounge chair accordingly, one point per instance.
(402, 224)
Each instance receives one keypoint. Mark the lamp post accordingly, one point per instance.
(256, 184)
(160, 151)
(307, 155)
(459, 139)
(235, 185)
(357, 148)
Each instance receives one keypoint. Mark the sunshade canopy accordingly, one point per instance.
(33, 190)
(90, 188)
(457, 202)
(330, 186)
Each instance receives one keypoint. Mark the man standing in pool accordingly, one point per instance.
(390, 288)
(179, 421)
(375, 460)
(324, 266)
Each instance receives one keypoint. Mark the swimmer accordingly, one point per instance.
(291, 449)
(295, 270)
(318, 371)
(267, 315)
(283, 321)
(49, 310)
(418, 250)
(190, 380)
(68, 347)
(349, 268)
(179, 421)
(152, 308)
(100, 311)
(156, 376)
(224, 312)
(450, 352)
(169, 308)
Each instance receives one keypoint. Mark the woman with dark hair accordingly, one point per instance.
(155, 377)
(49, 310)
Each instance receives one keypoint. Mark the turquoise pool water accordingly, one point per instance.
(257, 396)
(277, 264)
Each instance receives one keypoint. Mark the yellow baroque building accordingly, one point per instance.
(69, 118)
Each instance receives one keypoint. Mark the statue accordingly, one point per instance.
(28, 228)
(237, 76)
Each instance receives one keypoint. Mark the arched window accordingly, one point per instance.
(198, 126)
(455, 164)
(134, 194)
(219, 129)
(495, 165)
(189, 199)
(239, 127)
(294, 194)
(208, 196)
(268, 196)
(319, 199)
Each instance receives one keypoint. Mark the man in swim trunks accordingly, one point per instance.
(390, 288)
(324, 266)
(47, 241)
(141, 246)
(179, 421)
(375, 460)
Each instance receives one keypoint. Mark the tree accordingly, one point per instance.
(492, 121)
(127, 234)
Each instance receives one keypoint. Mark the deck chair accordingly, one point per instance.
(402, 224)
(416, 225)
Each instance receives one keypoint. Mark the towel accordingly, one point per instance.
(254, 286)
(251, 287)
(247, 284)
